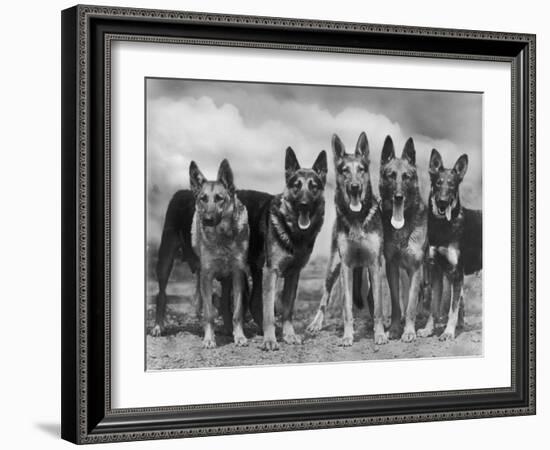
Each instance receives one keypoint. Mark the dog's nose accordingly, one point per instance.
(398, 197)
(303, 205)
(354, 188)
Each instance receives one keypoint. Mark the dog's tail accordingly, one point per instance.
(358, 291)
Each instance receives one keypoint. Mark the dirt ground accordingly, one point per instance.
(181, 347)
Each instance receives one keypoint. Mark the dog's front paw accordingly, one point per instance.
(156, 331)
(447, 335)
(270, 344)
(209, 343)
(408, 336)
(292, 338)
(316, 324)
(240, 341)
(347, 341)
(381, 338)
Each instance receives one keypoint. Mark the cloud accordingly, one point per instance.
(252, 128)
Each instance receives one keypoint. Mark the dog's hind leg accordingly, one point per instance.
(225, 304)
(333, 270)
(167, 251)
(457, 283)
(256, 301)
(288, 298)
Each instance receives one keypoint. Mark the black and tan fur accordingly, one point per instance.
(219, 235)
(404, 218)
(176, 245)
(357, 238)
(455, 241)
(292, 224)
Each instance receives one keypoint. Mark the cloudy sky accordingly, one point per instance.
(252, 124)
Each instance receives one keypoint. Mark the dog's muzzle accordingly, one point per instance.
(304, 220)
(398, 216)
(354, 194)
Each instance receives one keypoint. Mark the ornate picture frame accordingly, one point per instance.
(88, 33)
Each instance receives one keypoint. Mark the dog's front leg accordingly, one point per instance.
(392, 272)
(238, 333)
(347, 310)
(270, 286)
(206, 280)
(289, 296)
(457, 282)
(436, 281)
(380, 336)
(415, 276)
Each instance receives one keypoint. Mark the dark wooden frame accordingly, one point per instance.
(87, 32)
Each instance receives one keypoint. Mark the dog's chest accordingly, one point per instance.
(221, 248)
(358, 246)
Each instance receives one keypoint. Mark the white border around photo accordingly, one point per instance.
(132, 386)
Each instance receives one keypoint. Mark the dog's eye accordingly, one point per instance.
(313, 187)
(439, 182)
(360, 169)
(344, 169)
(218, 198)
(203, 198)
(392, 175)
(297, 185)
(405, 176)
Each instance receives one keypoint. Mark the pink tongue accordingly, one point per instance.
(397, 219)
(303, 221)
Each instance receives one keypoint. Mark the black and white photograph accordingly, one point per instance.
(293, 223)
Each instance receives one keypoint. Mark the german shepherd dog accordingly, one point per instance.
(292, 223)
(219, 236)
(405, 222)
(455, 241)
(357, 238)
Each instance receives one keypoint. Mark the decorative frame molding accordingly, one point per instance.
(87, 34)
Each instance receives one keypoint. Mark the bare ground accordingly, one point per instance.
(182, 346)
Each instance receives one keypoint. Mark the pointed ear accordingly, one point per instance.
(225, 176)
(409, 153)
(388, 152)
(196, 178)
(362, 148)
(436, 162)
(320, 166)
(338, 149)
(291, 163)
(461, 166)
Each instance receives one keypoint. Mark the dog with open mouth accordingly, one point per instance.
(292, 224)
(357, 239)
(455, 241)
(405, 222)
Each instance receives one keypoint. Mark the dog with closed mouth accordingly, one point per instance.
(455, 241)
(176, 245)
(405, 223)
(292, 224)
(220, 236)
(357, 239)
